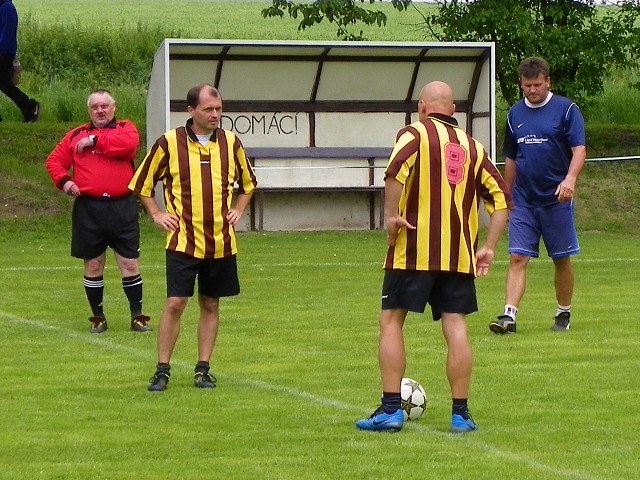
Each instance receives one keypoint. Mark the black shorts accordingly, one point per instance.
(216, 277)
(98, 223)
(445, 292)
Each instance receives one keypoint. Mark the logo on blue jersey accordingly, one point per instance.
(532, 140)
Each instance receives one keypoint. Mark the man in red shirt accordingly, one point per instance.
(105, 212)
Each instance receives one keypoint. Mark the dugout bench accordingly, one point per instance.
(318, 119)
(347, 182)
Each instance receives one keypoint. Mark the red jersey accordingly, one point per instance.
(102, 171)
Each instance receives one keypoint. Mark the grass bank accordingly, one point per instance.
(70, 47)
(608, 198)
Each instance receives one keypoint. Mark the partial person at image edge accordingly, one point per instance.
(29, 107)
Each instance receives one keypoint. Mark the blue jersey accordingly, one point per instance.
(8, 28)
(539, 139)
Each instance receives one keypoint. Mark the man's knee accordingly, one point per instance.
(176, 305)
(209, 304)
(95, 266)
(517, 260)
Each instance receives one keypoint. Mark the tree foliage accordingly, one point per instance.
(581, 42)
(344, 13)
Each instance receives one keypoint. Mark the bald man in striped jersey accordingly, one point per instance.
(436, 177)
(199, 165)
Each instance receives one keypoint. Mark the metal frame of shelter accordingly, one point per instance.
(320, 117)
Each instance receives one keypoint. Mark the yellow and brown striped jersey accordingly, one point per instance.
(198, 187)
(444, 173)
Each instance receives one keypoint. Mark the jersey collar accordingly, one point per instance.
(541, 104)
(111, 124)
(444, 118)
(193, 137)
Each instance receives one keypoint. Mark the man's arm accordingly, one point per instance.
(120, 142)
(393, 221)
(237, 210)
(509, 172)
(164, 220)
(59, 162)
(567, 187)
(485, 254)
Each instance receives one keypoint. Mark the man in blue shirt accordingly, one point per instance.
(544, 150)
(8, 47)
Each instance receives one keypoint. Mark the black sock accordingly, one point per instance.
(459, 407)
(94, 288)
(132, 287)
(163, 368)
(391, 402)
(202, 367)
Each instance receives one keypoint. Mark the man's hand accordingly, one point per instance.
(233, 216)
(70, 188)
(484, 257)
(566, 189)
(394, 224)
(166, 221)
(83, 144)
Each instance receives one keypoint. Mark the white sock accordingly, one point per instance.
(511, 311)
(562, 309)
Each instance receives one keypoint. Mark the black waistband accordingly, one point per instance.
(105, 198)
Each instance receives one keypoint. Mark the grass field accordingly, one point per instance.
(213, 18)
(296, 356)
(296, 366)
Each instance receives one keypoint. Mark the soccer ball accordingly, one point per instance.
(414, 400)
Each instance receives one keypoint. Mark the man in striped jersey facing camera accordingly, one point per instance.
(199, 165)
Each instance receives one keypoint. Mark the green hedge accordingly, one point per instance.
(613, 140)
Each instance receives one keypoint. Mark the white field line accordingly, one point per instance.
(325, 402)
(249, 265)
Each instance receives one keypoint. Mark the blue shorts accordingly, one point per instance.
(553, 223)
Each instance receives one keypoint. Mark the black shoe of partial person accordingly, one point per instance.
(159, 381)
(204, 380)
(33, 115)
(98, 325)
(139, 324)
(561, 322)
(503, 324)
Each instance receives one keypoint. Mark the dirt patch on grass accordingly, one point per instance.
(23, 197)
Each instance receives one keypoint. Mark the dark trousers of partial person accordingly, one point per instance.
(24, 103)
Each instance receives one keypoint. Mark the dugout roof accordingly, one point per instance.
(298, 96)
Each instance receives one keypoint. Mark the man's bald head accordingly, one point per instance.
(436, 97)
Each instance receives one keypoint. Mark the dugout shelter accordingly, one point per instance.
(318, 119)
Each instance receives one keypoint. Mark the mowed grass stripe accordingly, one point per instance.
(576, 260)
(468, 440)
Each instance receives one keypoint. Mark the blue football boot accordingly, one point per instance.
(380, 421)
(461, 425)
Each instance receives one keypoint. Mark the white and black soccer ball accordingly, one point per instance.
(414, 400)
